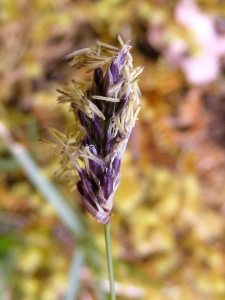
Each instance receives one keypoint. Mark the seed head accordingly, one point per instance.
(105, 112)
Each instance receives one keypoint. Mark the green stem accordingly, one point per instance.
(109, 261)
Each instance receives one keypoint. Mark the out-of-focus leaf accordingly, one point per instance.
(74, 276)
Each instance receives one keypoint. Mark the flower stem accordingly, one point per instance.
(109, 261)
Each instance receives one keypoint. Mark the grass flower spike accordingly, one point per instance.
(105, 112)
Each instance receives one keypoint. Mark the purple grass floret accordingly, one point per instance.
(105, 112)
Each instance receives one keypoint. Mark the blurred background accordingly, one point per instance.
(168, 228)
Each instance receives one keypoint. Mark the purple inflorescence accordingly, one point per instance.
(105, 112)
